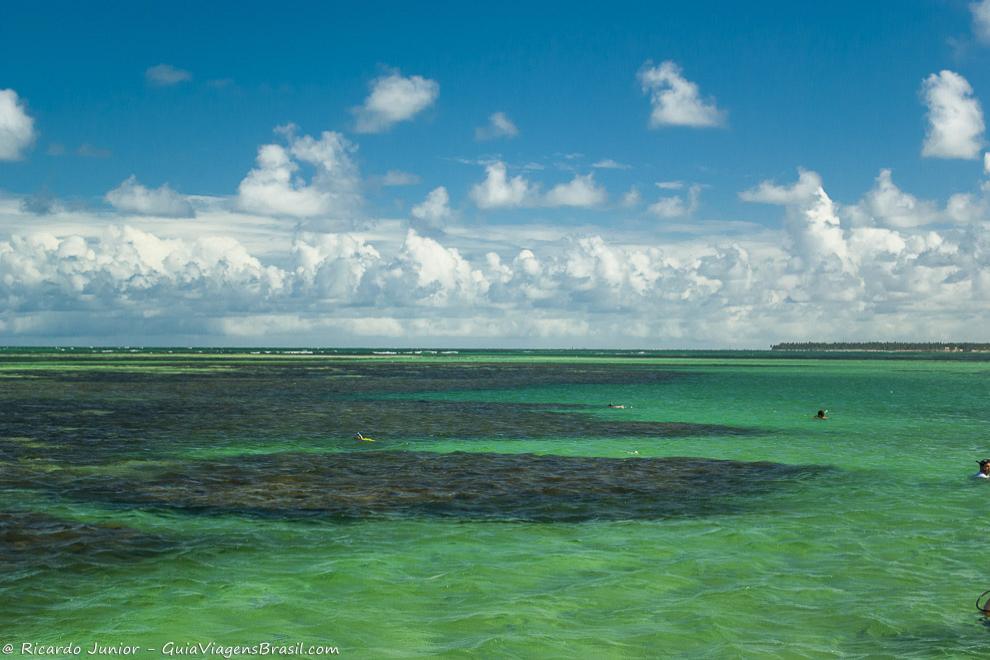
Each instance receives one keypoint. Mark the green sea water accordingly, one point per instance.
(503, 510)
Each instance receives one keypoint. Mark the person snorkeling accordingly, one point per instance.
(984, 472)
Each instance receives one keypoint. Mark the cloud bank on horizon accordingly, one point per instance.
(547, 249)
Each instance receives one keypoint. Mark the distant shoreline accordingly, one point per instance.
(883, 347)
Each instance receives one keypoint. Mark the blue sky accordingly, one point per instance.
(185, 94)
(832, 86)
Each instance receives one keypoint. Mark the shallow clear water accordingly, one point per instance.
(154, 498)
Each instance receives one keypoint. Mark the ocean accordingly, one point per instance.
(167, 499)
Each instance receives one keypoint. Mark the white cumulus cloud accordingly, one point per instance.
(580, 191)
(126, 265)
(631, 198)
(964, 208)
(812, 224)
(677, 206)
(276, 187)
(131, 197)
(399, 178)
(165, 75)
(889, 206)
(676, 101)
(393, 99)
(498, 190)
(499, 125)
(955, 118)
(609, 164)
(331, 267)
(981, 19)
(768, 192)
(16, 126)
(439, 275)
(435, 209)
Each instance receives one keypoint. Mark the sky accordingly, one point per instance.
(601, 175)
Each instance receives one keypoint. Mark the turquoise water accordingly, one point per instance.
(151, 499)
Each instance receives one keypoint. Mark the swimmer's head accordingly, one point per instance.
(985, 465)
(821, 413)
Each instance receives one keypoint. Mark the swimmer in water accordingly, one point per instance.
(984, 472)
(616, 405)
(361, 438)
(822, 414)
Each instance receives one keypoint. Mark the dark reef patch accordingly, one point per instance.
(124, 438)
(94, 417)
(347, 377)
(135, 431)
(470, 486)
(32, 541)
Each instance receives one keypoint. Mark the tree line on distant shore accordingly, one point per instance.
(963, 347)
